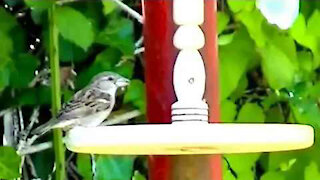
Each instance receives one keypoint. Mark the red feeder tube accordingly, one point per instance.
(160, 57)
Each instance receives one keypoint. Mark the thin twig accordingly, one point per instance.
(32, 167)
(70, 157)
(8, 136)
(21, 120)
(139, 42)
(24, 173)
(33, 120)
(70, 171)
(139, 50)
(15, 121)
(21, 164)
(93, 166)
(118, 119)
(41, 77)
(35, 148)
(130, 11)
(3, 112)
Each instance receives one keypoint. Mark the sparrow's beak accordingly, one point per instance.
(122, 82)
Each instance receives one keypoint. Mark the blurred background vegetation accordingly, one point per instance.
(267, 75)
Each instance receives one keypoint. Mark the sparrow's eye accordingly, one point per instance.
(110, 78)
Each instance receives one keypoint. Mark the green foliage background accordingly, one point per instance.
(267, 75)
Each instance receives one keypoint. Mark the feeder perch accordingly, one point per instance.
(190, 131)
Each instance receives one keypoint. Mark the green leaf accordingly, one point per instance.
(108, 7)
(237, 6)
(242, 163)
(240, 90)
(306, 111)
(223, 20)
(84, 166)
(308, 7)
(281, 161)
(9, 163)
(275, 115)
(11, 34)
(39, 16)
(114, 167)
(277, 67)
(4, 78)
(273, 176)
(118, 34)
(311, 172)
(254, 21)
(94, 12)
(300, 33)
(125, 69)
(136, 95)
(246, 175)
(7, 21)
(305, 61)
(138, 176)
(313, 24)
(282, 41)
(44, 163)
(250, 113)
(314, 91)
(23, 70)
(4, 72)
(234, 59)
(228, 111)
(227, 173)
(6, 45)
(105, 61)
(69, 52)
(225, 39)
(34, 96)
(13, 2)
(272, 99)
(74, 27)
(299, 28)
(39, 4)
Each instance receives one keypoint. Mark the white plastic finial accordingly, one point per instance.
(188, 12)
(189, 76)
(189, 79)
(189, 37)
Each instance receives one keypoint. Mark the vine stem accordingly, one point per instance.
(56, 95)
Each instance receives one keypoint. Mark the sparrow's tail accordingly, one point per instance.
(45, 127)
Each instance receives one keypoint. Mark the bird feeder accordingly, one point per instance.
(182, 95)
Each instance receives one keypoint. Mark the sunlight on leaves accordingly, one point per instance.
(75, 27)
(277, 67)
(228, 111)
(9, 163)
(311, 172)
(250, 113)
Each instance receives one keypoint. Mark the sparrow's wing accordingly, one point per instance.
(84, 103)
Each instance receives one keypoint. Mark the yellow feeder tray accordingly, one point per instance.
(189, 138)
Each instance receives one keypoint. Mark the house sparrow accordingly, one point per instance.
(90, 106)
